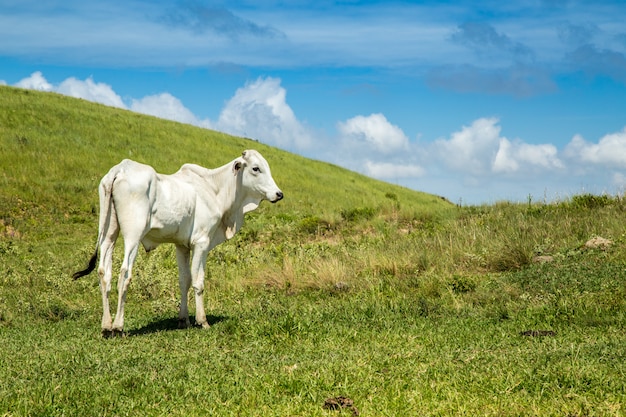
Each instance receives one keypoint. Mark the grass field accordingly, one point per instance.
(395, 299)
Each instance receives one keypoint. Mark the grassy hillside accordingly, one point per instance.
(350, 287)
(55, 149)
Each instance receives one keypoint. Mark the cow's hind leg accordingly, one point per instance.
(105, 273)
(184, 281)
(131, 248)
(105, 270)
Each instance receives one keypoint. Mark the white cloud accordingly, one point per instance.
(374, 131)
(391, 171)
(259, 110)
(167, 106)
(609, 151)
(513, 156)
(479, 150)
(374, 147)
(162, 105)
(90, 90)
(473, 148)
(36, 81)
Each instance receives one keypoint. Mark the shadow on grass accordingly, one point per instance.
(170, 324)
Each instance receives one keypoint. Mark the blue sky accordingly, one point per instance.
(476, 101)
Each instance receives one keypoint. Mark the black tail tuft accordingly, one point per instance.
(90, 267)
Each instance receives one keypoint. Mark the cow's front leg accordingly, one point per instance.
(198, 263)
(184, 281)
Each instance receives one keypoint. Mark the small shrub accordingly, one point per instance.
(591, 201)
(510, 258)
(359, 213)
(430, 287)
(313, 225)
(462, 284)
(391, 196)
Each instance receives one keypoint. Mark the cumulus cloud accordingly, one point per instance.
(162, 105)
(259, 110)
(479, 150)
(473, 148)
(513, 156)
(375, 132)
(167, 106)
(90, 90)
(36, 81)
(601, 164)
(377, 148)
(609, 151)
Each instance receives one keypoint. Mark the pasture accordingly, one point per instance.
(349, 287)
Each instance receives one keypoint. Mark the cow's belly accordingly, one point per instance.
(177, 234)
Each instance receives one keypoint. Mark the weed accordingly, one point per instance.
(462, 284)
(313, 225)
(591, 201)
(358, 213)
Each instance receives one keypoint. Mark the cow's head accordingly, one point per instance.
(256, 179)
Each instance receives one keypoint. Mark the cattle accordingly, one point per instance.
(195, 208)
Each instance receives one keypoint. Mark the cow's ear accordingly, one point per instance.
(237, 165)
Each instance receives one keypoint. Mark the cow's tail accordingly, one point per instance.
(106, 201)
(90, 267)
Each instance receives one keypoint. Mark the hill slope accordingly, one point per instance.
(54, 149)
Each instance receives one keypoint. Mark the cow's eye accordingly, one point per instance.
(257, 170)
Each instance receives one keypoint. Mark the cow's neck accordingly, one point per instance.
(230, 197)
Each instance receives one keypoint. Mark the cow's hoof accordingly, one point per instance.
(112, 333)
(204, 325)
(117, 333)
(183, 323)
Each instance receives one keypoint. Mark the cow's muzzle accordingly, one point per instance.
(279, 196)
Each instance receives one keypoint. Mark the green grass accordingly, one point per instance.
(350, 287)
